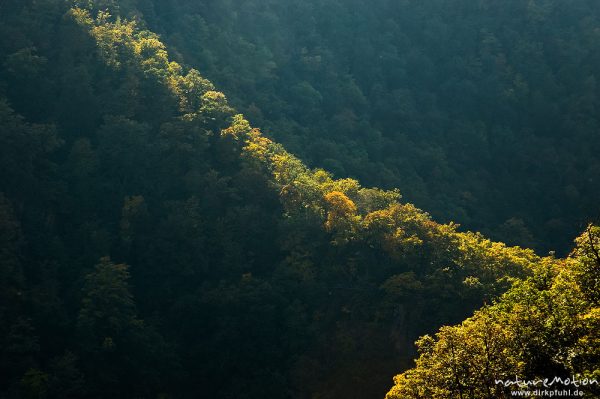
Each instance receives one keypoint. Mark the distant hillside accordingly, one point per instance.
(483, 112)
(154, 244)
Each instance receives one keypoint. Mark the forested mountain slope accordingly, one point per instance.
(154, 244)
(484, 112)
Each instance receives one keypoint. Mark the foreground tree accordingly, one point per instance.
(544, 327)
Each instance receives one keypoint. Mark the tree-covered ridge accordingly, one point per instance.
(544, 327)
(352, 215)
(483, 112)
(155, 244)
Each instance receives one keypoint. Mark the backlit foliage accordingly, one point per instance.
(156, 244)
(544, 327)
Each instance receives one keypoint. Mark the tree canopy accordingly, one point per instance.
(155, 243)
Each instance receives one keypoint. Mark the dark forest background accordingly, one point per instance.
(484, 113)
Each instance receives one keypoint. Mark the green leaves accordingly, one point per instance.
(107, 309)
(545, 326)
(249, 268)
(587, 263)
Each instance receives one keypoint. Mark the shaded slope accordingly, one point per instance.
(483, 112)
(155, 244)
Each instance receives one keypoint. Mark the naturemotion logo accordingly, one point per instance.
(565, 387)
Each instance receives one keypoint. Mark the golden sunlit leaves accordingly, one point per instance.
(239, 128)
(547, 322)
(341, 213)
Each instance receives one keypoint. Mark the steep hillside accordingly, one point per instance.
(485, 113)
(154, 244)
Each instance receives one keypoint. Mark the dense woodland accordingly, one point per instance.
(483, 112)
(155, 244)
